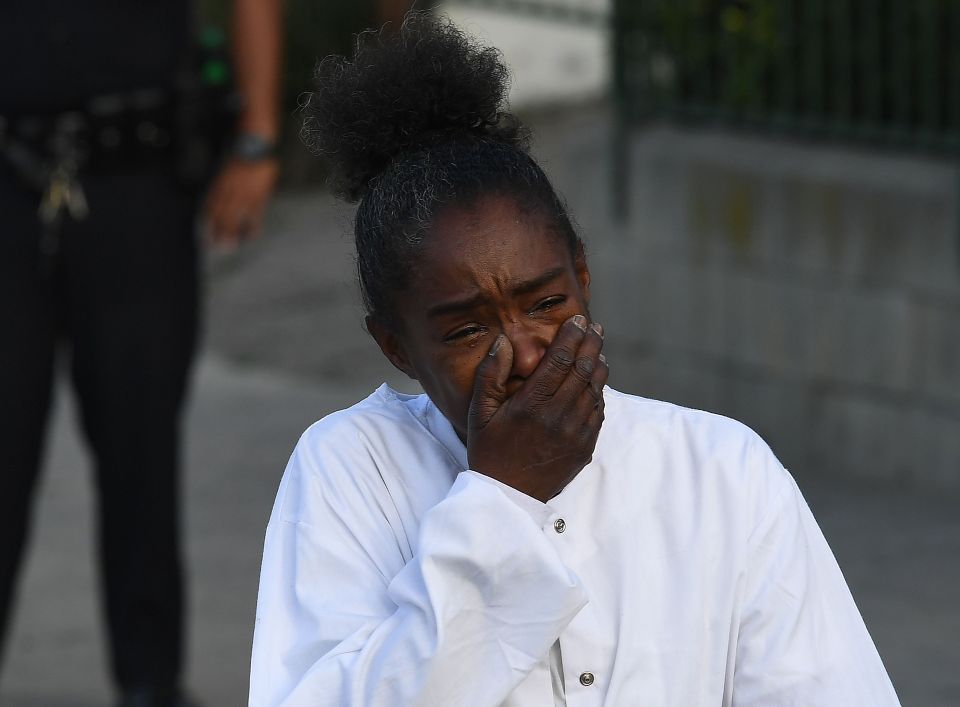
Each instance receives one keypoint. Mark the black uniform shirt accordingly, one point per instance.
(57, 54)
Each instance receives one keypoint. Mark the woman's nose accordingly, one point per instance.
(529, 346)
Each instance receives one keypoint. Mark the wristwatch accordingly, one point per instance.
(251, 147)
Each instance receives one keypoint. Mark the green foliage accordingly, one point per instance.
(750, 41)
(880, 70)
(714, 51)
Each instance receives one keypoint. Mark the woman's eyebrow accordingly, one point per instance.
(459, 305)
(475, 300)
(528, 286)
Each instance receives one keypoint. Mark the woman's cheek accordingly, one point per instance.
(552, 327)
(455, 375)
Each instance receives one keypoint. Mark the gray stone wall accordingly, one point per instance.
(812, 292)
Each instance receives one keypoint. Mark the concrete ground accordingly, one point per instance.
(284, 347)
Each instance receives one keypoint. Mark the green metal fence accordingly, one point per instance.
(883, 71)
(877, 72)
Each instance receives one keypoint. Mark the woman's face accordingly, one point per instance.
(483, 271)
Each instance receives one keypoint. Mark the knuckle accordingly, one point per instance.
(561, 359)
(584, 367)
(526, 413)
(540, 393)
(569, 423)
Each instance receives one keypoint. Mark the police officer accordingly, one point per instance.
(99, 195)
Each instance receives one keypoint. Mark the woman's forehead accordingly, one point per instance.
(488, 235)
(487, 256)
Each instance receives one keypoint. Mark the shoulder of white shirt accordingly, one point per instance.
(697, 449)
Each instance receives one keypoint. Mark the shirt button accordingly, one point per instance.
(559, 525)
(586, 679)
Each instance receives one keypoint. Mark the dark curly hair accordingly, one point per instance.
(412, 122)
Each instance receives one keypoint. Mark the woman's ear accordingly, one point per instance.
(582, 271)
(390, 345)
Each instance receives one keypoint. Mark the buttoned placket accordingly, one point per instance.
(581, 678)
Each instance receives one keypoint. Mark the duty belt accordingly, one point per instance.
(49, 152)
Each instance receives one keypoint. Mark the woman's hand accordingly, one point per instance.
(538, 439)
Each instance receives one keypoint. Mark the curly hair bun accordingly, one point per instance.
(427, 84)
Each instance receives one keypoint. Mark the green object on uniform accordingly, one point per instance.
(215, 72)
(212, 37)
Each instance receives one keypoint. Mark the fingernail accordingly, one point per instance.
(496, 345)
(603, 359)
(597, 327)
(580, 322)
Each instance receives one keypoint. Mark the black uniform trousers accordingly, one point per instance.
(119, 302)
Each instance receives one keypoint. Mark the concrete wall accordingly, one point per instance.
(812, 292)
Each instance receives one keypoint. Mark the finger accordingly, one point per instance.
(490, 383)
(595, 421)
(591, 397)
(558, 359)
(235, 216)
(599, 379)
(602, 375)
(256, 206)
(240, 225)
(584, 366)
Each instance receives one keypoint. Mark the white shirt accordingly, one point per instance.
(681, 567)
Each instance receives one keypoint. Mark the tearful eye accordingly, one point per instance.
(463, 333)
(549, 303)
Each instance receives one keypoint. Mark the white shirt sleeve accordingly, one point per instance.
(802, 640)
(342, 621)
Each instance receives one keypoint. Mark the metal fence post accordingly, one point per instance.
(619, 138)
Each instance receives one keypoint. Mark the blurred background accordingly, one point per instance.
(770, 194)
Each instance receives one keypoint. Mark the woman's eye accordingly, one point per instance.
(549, 303)
(464, 333)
